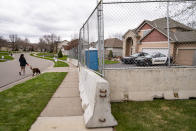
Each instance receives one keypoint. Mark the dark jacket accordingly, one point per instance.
(22, 61)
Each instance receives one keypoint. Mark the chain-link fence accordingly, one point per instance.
(140, 33)
(91, 39)
(73, 53)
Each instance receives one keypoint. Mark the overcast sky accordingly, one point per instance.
(34, 18)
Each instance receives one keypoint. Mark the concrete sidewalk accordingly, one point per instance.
(64, 111)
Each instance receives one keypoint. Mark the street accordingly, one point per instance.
(9, 71)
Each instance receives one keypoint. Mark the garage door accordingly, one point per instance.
(186, 57)
(152, 50)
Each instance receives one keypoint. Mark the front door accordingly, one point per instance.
(128, 46)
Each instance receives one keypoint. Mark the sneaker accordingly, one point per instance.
(20, 73)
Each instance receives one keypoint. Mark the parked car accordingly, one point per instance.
(152, 59)
(131, 59)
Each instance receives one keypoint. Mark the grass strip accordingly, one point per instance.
(63, 58)
(56, 64)
(157, 115)
(6, 57)
(2, 60)
(60, 64)
(23, 103)
(111, 62)
(46, 54)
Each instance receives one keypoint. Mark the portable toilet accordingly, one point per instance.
(91, 58)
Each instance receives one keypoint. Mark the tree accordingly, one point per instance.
(52, 41)
(116, 35)
(13, 38)
(74, 36)
(60, 54)
(3, 42)
(110, 55)
(26, 44)
(56, 44)
(42, 45)
(183, 11)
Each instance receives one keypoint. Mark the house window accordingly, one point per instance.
(145, 32)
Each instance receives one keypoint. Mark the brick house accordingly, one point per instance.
(61, 46)
(71, 48)
(151, 36)
(115, 45)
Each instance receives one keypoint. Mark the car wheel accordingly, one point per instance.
(166, 63)
(137, 63)
(145, 63)
(171, 61)
(141, 63)
(131, 62)
(149, 63)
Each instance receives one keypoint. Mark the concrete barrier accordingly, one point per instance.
(149, 83)
(73, 61)
(95, 95)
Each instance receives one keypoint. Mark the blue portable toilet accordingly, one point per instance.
(91, 58)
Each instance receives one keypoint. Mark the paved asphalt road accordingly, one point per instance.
(9, 71)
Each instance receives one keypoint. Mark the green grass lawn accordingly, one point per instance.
(111, 62)
(4, 53)
(60, 64)
(23, 103)
(56, 64)
(63, 58)
(6, 56)
(2, 60)
(46, 54)
(157, 115)
(51, 55)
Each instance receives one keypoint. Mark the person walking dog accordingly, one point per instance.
(23, 64)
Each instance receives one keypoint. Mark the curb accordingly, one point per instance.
(28, 77)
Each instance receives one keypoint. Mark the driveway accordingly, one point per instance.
(119, 65)
(126, 66)
(9, 71)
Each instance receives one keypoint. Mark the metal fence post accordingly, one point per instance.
(168, 33)
(79, 49)
(88, 64)
(102, 32)
(100, 36)
(98, 22)
(84, 60)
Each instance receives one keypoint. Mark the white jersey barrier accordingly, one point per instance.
(95, 95)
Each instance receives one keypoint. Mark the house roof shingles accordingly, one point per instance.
(189, 35)
(71, 44)
(113, 43)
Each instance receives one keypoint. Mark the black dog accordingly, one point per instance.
(35, 71)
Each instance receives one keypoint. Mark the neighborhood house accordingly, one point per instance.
(71, 48)
(115, 45)
(151, 36)
(61, 46)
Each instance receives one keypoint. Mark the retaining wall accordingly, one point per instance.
(141, 84)
(94, 92)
